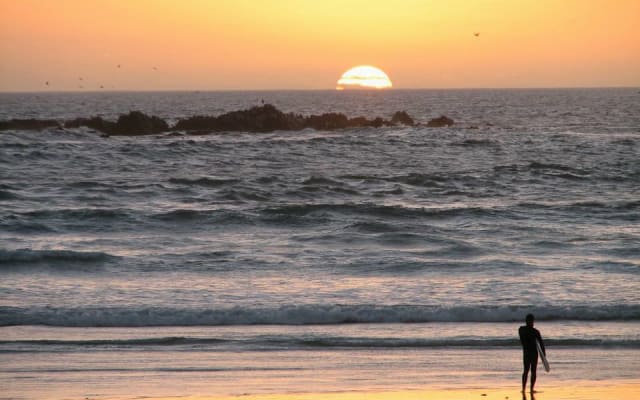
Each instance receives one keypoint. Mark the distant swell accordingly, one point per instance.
(376, 210)
(77, 214)
(207, 182)
(28, 256)
(304, 315)
(7, 195)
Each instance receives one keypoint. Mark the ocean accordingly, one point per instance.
(356, 259)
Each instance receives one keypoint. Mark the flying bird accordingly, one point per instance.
(476, 34)
(47, 83)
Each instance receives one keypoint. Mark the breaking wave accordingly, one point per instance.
(304, 315)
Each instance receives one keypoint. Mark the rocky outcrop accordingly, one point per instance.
(401, 117)
(96, 123)
(265, 118)
(268, 118)
(327, 121)
(439, 122)
(137, 123)
(134, 123)
(28, 124)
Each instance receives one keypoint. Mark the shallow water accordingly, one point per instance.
(233, 360)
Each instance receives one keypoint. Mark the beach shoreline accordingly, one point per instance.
(620, 390)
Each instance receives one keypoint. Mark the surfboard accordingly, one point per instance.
(542, 356)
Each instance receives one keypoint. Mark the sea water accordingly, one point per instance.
(369, 258)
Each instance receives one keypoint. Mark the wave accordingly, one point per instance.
(535, 165)
(374, 227)
(476, 142)
(77, 214)
(242, 195)
(105, 218)
(290, 341)
(304, 315)
(204, 181)
(370, 209)
(163, 341)
(412, 179)
(320, 181)
(547, 169)
(8, 195)
(28, 256)
(582, 206)
(422, 180)
(188, 215)
(85, 184)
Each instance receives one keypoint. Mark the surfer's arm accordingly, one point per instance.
(521, 338)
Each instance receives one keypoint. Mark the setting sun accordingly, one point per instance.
(364, 76)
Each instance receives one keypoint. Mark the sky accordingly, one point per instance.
(299, 44)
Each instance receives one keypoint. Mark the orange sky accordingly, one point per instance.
(299, 44)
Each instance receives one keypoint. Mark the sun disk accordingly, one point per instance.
(364, 76)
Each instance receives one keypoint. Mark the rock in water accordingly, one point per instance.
(402, 117)
(96, 123)
(28, 124)
(265, 118)
(439, 122)
(137, 123)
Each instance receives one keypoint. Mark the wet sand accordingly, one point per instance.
(588, 391)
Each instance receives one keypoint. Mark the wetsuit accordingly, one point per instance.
(528, 336)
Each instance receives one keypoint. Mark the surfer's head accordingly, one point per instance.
(529, 319)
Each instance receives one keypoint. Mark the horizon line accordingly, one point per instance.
(318, 90)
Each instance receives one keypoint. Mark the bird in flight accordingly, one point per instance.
(476, 34)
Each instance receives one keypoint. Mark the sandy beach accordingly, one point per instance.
(587, 391)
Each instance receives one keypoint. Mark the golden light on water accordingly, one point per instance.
(364, 76)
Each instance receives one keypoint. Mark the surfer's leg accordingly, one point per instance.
(534, 367)
(525, 374)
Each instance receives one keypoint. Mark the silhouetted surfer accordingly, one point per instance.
(528, 336)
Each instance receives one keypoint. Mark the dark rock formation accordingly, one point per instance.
(378, 122)
(440, 122)
(401, 117)
(327, 121)
(137, 123)
(265, 118)
(133, 124)
(28, 124)
(96, 123)
(358, 121)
